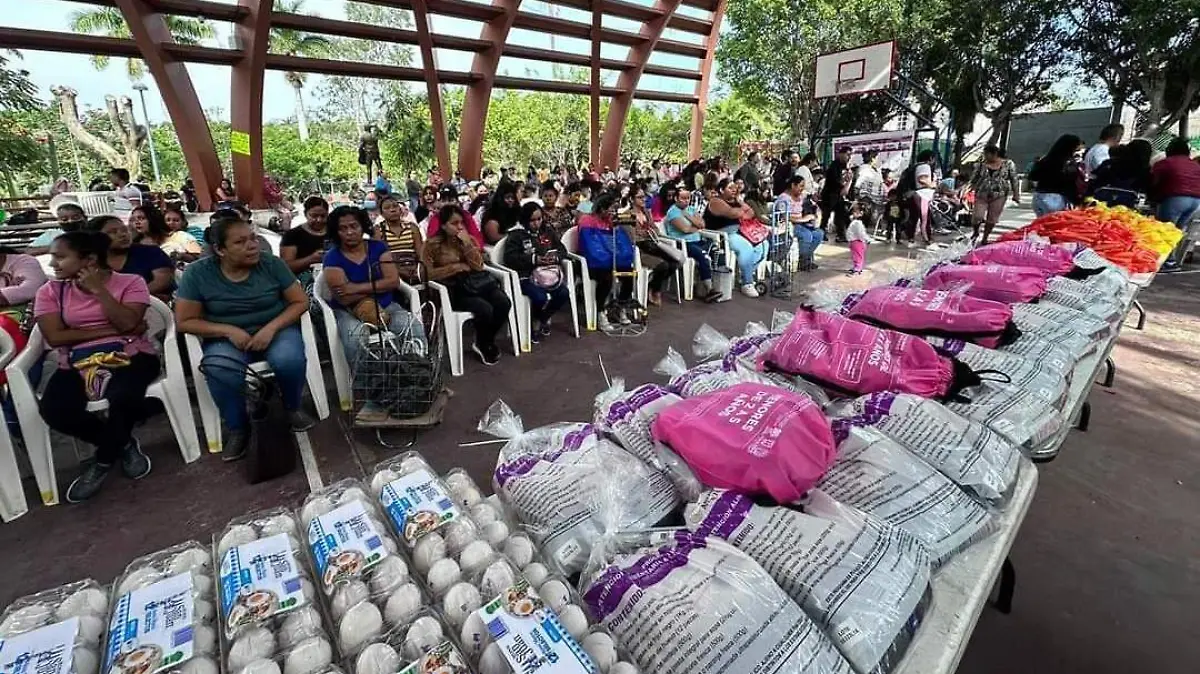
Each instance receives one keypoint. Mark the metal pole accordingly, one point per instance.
(141, 89)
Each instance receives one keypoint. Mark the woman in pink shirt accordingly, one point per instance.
(20, 277)
(94, 319)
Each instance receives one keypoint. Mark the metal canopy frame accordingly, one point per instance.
(250, 58)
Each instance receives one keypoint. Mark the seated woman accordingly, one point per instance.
(607, 248)
(403, 238)
(725, 214)
(501, 214)
(682, 223)
(94, 318)
(661, 256)
(246, 306)
(167, 231)
(533, 250)
(21, 276)
(302, 247)
(126, 257)
(452, 256)
(448, 196)
(557, 216)
(362, 278)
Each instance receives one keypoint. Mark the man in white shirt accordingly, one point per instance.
(1110, 137)
(128, 197)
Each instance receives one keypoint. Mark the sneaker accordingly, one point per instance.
(300, 421)
(490, 354)
(236, 443)
(134, 463)
(545, 331)
(749, 290)
(535, 334)
(623, 318)
(602, 322)
(712, 296)
(911, 244)
(88, 483)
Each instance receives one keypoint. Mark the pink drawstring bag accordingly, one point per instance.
(752, 438)
(1054, 260)
(1010, 285)
(936, 313)
(854, 358)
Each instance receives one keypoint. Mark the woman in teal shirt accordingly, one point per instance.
(246, 306)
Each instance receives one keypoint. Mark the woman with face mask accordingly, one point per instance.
(501, 214)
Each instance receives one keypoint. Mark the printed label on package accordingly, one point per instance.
(344, 543)
(151, 628)
(258, 580)
(441, 659)
(43, 651)
(417, 503)
(531, 636)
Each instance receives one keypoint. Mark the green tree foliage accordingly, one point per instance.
(17, 146)
(732, 120)
(292, 42)
(109, 22)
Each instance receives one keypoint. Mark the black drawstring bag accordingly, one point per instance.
(271, 449)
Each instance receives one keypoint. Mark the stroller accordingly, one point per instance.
(945, 214)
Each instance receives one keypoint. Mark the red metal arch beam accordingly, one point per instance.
(149, 32)
(253, 32)
(639, 54)
(700, 109)
(479, 93)
(441, 142)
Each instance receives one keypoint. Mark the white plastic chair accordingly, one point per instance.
(685, 276)
(570, 241)
(454, 320)
(337, 354)
(170, 387)
(12, 495)
(522, 305)
(92, 203)
(210, 417)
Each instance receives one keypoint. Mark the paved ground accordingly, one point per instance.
(1108, 577)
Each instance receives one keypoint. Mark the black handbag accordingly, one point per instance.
(476, 283)
(272, 449)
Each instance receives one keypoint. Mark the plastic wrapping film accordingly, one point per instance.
(1083, 297)
(1050, 381)
(875, 474)
(864, 582)
(974, 457)
(182, 638)
(1047, 354)
(1021, 417)
(1053, 319)
(686, 604)
(422, 643)
(739, 360)
(551, 488)
(1087, 258)
(64, 624)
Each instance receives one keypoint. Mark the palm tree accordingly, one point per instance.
(291, 42)
(109, 22)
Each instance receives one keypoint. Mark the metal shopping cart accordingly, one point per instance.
(781, 254)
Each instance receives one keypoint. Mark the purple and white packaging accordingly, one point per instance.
(1044, 379)
(1019, 416)
(1085, 298)
(1069, 328)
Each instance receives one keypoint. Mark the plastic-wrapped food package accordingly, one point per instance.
(62, 625)
(978, 460)
(864, 582)
(1083, 297)
(740, 357)
(1049, 379)
(1086, 258)
(181, 639)
(1047, 354)
(687, 604)
(1021, 417)
(1039, 254)
(755, 438)
(548, 475)
(270, 616)
(875, 474)
(1010, 285)
(627, 416)
(366, 585)
(1051, 320)
(416, 500)
(422, 643)
(924, 312)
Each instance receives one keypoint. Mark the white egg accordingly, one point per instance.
(308, 590)
(412, 464)
(377, 659)
(556, 594)
(301, 624)
(461, 600)
(139, 578)
(202, 585)
(88, 601)
(26, 618)
(574, 620)
(277, 524)
(382, 479)
(520, 550)
(90, 629)
(492, 661)
(430, 548)
(353, 494)
(388, 543)
(204, 639)
(238, 534)
(402, 604)
(202, 611)
(497, 579)
(347, 595)
(458, 534)
(474, 636)
(484, 514)
(191, 559)
(602, 649)
(316, 506)
(308, 656)
(623, 668)
(361, 624)
(253, 644)
(468, 497)
(443, 574)
(260, 667)
(495, 533)
(458, 481)
(390, 573)
(536, 573)
(475, 556)
(86, 661)
(422, 636)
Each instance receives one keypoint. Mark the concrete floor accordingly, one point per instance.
(1107, 560)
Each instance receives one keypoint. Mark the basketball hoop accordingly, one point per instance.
(845, 86)
(856, 71)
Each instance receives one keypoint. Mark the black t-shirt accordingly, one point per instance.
(834, 177)
(306, 242)
(421, 213)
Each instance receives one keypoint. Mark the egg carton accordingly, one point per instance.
(366, 597)
(425, 643)
(194, 559)
(450, 521)
(85, 600)
(466, 492)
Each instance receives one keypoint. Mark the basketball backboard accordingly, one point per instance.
(856, 71)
